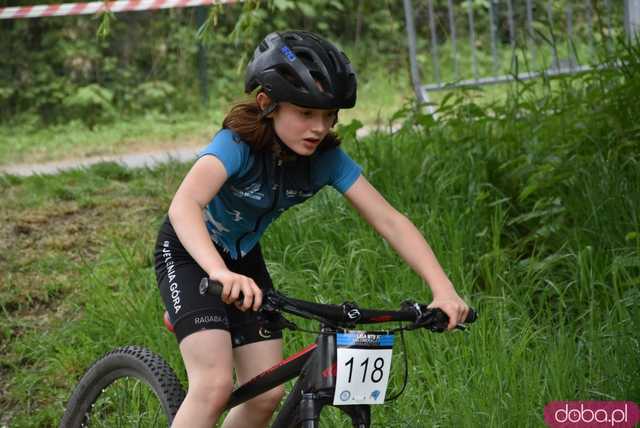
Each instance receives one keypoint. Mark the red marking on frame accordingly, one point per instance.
(286, 360)
(330, 371)
(382, 318)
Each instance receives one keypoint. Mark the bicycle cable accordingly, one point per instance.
(406, 367)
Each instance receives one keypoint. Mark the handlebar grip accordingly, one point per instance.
(436, 320)
(472, 316)
(210, 286)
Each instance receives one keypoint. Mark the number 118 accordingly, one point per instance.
(376, 373)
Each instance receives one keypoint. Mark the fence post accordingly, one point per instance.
(411, 38)
(201, 17)
(632, 19)
(434, 43)
(454, 47)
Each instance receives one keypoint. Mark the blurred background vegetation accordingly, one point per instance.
(98, 70)
(149, 61)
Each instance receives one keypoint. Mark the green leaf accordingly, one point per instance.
(307, 9)
(348, 132)
(283, 5)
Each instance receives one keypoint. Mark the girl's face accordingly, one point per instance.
(300, 128)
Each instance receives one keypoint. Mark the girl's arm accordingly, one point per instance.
(199, 186)
(409, 243)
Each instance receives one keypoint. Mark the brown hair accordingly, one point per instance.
(245, 119)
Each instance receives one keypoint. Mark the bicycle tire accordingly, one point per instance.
(129, 363)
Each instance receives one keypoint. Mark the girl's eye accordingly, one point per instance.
(306, 113)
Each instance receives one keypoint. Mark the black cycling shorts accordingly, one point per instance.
(178, 277)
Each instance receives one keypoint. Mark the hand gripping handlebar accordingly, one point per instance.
(348, 314)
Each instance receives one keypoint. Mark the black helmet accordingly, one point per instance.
(289, 65)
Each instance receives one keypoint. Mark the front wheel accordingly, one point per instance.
(129, 386)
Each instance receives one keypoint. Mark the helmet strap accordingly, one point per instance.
(267, 111)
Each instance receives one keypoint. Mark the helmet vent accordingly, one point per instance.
(321, 80)
(335, 62)
(290, 76)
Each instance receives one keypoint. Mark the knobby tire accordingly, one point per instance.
(130, 362)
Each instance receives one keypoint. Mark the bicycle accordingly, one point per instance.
(325, 368)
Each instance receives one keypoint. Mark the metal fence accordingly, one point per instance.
(480, 42)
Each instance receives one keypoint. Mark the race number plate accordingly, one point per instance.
(364, 363)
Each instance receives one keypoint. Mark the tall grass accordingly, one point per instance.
(531, 206)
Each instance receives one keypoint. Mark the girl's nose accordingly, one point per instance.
(320, 124)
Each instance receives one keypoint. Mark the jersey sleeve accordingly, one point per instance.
(341, 171)
(229, 149)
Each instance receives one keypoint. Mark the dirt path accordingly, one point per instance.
(132, 160)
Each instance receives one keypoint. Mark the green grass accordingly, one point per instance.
(531, 206)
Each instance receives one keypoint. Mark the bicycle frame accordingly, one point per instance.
(315, 367)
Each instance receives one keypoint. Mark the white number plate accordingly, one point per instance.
(364, 363)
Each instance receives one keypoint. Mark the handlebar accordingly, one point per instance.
(348, 314)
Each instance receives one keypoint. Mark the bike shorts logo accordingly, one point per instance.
(264, 333)
(207, 319)
(171, 274)
(345, 395)
(579, 414)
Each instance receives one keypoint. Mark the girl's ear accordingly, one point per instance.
(263, 100)
(266, 105)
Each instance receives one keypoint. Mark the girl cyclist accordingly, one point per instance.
(273, 152)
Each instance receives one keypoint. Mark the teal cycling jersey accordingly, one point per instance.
(261, 185)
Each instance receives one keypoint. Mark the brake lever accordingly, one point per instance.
(435, 320)
(270, 317)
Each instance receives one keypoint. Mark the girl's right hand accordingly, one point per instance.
(233, 284)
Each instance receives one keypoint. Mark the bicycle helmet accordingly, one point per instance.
(304, 69)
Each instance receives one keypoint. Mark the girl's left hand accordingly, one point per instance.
(453, 306)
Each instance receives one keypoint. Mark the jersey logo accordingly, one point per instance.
(297, 193)
(251, 192)
(235, 214)
(216, 224)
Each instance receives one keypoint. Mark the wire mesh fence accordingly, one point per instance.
(455, 43)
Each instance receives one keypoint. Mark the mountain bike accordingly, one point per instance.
(348, 369)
